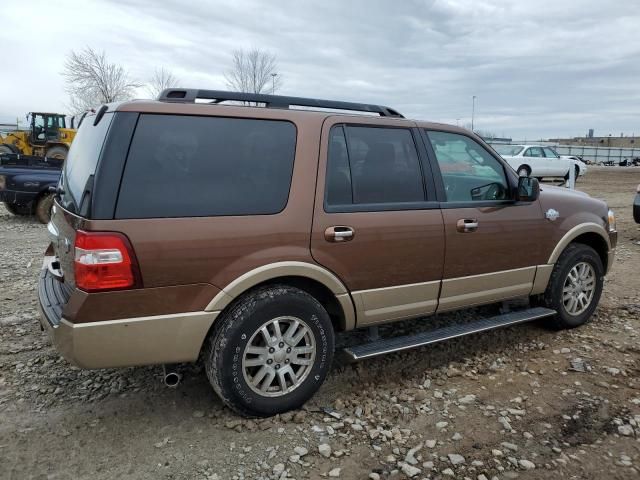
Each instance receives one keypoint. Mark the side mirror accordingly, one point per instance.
(528, 189)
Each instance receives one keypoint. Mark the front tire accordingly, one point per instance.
(57, 152)
(577, 174)
(270, 352)
(575, 286)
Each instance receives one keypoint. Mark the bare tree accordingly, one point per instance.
(161, 80)
(254, 71)
(486, 134)
(92, 80)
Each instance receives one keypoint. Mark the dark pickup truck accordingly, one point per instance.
(25, 183)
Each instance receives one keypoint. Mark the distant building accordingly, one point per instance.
(615, 142)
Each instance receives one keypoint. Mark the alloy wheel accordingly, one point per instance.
(579, 287)
(279, 356)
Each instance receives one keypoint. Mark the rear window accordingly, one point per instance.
(190, 166)
(82, 160)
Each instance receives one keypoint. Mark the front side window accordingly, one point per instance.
(549, 153)
(195, 166)
(372, 165)
(469, 172)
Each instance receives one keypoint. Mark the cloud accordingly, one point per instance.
(538, 68)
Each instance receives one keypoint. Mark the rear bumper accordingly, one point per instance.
(174, 338)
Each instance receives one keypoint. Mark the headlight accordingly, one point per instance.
(612, 221)
(3, 182)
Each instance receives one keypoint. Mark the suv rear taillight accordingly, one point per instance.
(104, 261)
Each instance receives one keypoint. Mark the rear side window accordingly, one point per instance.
(371, 165)
(82, 160)
(189, 166)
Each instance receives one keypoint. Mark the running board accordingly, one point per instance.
(396, 344)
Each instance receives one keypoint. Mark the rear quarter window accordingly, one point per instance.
(192, 166)
(82, 160)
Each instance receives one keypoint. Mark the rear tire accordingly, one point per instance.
(43, 208)
(575, 286)
(251, 351)
(17, 209)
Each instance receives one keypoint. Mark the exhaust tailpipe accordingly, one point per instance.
(171, 377)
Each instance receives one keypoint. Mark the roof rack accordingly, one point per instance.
(189, 95)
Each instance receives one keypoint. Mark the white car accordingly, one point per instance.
(539, 161)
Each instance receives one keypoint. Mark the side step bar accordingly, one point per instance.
(396, 344)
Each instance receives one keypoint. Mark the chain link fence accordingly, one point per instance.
(597, 155)
(605, 155)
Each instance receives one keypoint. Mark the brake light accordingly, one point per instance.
(104, 261)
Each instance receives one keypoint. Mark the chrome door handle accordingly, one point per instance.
(339, 234)
(467, 225)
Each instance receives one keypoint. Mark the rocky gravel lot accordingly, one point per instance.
(523, 402)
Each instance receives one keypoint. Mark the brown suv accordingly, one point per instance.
(251, 235)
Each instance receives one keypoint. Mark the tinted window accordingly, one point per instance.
(469, 172)
(369, 165)
(188, 166)
(82, 160)
(338, 171)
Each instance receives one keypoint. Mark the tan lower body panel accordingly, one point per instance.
(135, 341)
(543, 274)
(395, 303)
(486, 288)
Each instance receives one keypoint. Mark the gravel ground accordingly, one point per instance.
(523, 402)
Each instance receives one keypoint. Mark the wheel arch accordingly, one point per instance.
(315, 280)
(590, 234)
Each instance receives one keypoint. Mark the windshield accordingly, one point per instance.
(82, 161)
(509, 150)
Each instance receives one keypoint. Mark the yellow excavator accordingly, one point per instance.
(47, 136)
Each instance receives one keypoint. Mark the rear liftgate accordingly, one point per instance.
(396, 344)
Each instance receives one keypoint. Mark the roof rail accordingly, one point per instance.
(189, 95)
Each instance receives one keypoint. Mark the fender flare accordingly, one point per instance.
(286, 269)
(574, 233)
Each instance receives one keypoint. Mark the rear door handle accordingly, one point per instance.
(339, 234)
(467, 225)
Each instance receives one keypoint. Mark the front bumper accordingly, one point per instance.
(152, 340)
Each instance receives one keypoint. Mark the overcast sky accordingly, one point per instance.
(538, 68)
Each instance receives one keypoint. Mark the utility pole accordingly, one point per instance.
(273, 83)
(473, 110)
(457, 122)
